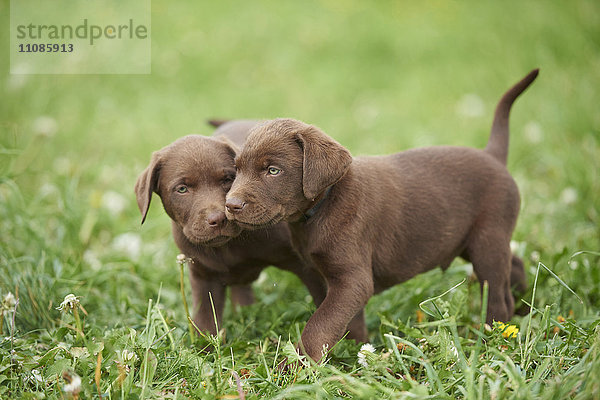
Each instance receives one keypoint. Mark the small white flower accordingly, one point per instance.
(533, 132)
(37, 376)
(45, 126)
(128, 356)
(92, 260)
(62, 166)
(471, 106)
(47, 189)
(535, 256)
(365, 349)
(128, 243)
(453, 351)
(79, 352)
(115, 203)
(324, 351)
(69, 303)
(514, 245)
(18, 77)
(573, 264)
(568, 196)
(9, 302)
(73, 386)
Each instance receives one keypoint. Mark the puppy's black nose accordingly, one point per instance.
(234, 205)
(216, 219)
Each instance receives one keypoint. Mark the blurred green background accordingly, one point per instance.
(378, 76)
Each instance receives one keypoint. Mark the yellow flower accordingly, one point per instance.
(508, 331)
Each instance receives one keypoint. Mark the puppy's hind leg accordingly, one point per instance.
(489, 251)
(518, 279)
(518, 283)
(357, 328)
(242, 295)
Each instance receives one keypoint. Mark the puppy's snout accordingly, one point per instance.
(216, 219)
(234, 205)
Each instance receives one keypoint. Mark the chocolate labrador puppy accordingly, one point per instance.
(192, 177)
(371, 222)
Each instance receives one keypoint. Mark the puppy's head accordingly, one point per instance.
(192, 177)
(284, 166)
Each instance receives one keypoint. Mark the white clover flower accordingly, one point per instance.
(79, 352)
(324, 352)
(568, 196)
(37, 376)
(18, 77)
(362, 353)
(69, 303)
(47, 189)
(453, 351)
(471, 106)
(62, 166)
(533, 132)
(45, 126)
(128, 356)
(573, 264)
(128, 243)
(514, 246)
(73, 386)
(115, 203)
(90, 257)
(9, 302)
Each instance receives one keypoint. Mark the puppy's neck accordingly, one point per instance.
(317, 203)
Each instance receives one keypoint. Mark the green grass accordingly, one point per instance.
(380, 77)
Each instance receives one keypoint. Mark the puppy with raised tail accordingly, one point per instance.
(368, 223)
(192, 177)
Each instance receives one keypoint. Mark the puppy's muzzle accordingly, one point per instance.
(235, 205)
(216, 219)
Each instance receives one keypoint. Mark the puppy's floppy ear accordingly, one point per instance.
(233, 148)
(147, 183)
(217, 122)
(325, 161)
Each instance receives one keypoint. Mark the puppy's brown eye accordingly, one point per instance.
(274, 171)
(181, 189)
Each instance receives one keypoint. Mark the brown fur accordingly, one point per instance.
(385, 218)
(223, 255)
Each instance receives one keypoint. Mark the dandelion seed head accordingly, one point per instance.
(182, 259)
(69, 303)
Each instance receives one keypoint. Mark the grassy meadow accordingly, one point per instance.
(380, 77)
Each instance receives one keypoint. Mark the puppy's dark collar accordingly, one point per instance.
(313, 210)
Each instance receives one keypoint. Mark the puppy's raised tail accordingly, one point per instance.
(498, 143)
